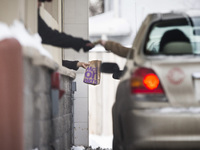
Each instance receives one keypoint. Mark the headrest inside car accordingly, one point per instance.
(174, 35)
(177, 48)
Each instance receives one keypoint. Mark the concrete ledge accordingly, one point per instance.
(48, 118)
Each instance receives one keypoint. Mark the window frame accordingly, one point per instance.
(153, 25)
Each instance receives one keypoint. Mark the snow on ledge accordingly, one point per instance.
(18, 31)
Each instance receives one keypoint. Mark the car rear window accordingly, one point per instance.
(174, 37)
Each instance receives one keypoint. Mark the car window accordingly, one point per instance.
(174, 37)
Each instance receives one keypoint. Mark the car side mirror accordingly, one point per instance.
(111, 68)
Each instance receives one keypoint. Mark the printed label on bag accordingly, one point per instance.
(91, 75)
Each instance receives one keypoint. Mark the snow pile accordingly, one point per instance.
(77, 148)
(18, 31)
(107, 24)
(193, 12)
(96, 141)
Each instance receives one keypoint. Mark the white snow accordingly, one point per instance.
(77, 148)
(97, 141)
(102, 141)
(106, 24)
(18, 31)
(194, 12)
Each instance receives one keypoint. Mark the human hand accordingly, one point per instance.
(88, 45)
(82, 64)
(101, 42)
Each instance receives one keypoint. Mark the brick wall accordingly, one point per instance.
(47, 119)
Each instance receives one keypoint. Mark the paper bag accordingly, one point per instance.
(92, 73)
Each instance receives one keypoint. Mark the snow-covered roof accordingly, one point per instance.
(107, 24)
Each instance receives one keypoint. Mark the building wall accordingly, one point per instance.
(11, 15)
(76, 23)
(41, 118)
(23, 10)
(47, 117)
(47, 121)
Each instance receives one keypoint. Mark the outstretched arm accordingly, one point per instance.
(61, 39)
(114, 47)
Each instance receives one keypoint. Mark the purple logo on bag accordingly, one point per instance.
(91, 75)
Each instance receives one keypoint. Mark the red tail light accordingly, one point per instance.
(145, 81)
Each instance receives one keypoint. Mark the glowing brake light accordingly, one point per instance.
(151, 81)
(145, 81)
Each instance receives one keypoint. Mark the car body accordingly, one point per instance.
(157, 102)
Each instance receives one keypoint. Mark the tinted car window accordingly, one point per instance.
(174, 37)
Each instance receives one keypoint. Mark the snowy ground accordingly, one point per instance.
(97, 143)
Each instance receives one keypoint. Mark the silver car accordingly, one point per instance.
(157, 103)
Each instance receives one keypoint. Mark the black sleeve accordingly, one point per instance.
(70, 64)
(59, 39)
